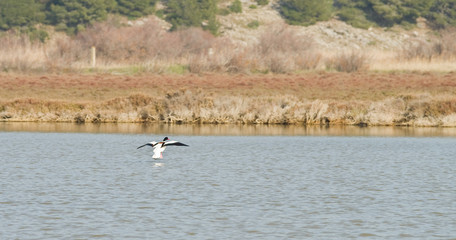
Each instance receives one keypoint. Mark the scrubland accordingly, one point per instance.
(144, 73)
(278, 49)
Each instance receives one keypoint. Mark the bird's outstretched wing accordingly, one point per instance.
(174, 143)
(147, 144)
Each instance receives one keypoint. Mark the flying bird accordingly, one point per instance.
(159, 147)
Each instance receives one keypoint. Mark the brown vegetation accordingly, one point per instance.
(314, 98)
(150, 48)
(207, 79)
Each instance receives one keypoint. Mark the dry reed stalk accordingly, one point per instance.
(185, 106)
(348, 62)
(448, 43)
(20, 54)
(420, 65)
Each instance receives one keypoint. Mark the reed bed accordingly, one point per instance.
(411, 99)
(191, 108)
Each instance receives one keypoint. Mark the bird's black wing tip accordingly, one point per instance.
(177, 144)
(147, 144)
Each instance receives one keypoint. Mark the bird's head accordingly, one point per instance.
(166, 138)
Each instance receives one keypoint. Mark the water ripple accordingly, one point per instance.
(97, 186)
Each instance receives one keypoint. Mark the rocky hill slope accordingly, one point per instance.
(333, 35)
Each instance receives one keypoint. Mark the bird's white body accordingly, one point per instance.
(158, 150)
(159, 147)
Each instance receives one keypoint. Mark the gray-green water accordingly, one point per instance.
(99, 186)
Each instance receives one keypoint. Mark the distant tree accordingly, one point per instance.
(20, 13)
(73, 16)
(386, 13)
(136, 8)
(352, 13)
(389, 12)
(208, 8)
(412, 9)
(188, 13)
(212, 26)
(305, 12)
(236, 6)
(183, 13)
(442, 14)
(262, 2)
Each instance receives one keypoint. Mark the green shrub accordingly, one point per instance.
(135, 8)
(253, 24)
(442, 14)
(188, 13)
(364, 13)
(305, 12)
(262, 2)
(73, 16)
(160, 14)
(223, 11)
(38, 34)
(354, 17)
(20, 13)
(236, 6)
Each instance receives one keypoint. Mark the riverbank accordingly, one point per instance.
(314, 98)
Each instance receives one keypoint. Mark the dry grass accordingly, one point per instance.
(417, 54)
(314, 98)
(389, 61)
(149, 48)
(348, 62)
(19, 54)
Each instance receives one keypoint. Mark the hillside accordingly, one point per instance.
(255, 40)
(332, 35)
(381, 48)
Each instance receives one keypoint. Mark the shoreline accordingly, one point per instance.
(226, 129)
(311, 99)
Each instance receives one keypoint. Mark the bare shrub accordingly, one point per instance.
(130, 44)
(220, 55)
(212, 55)
(444, 47)
(308, 60)
(155, 49)
(149, 44)
(419, 49)
(198, 64)
(64, 52)
(283, 39)
(19, 53)
(194, 40)
(239, 62)
(448, 42)
(283, 50)
(124, 44)
(279, 63)
(348, 62)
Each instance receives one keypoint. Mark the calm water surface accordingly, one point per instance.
(99, 186)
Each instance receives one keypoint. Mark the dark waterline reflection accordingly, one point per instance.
(228, 129)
